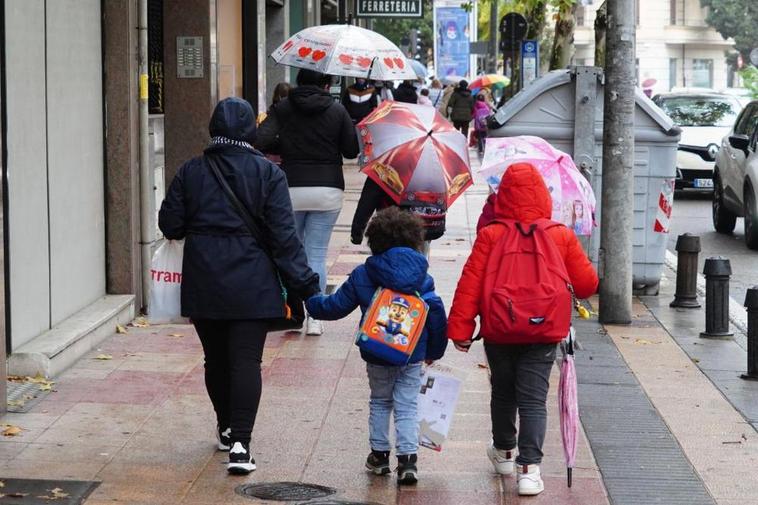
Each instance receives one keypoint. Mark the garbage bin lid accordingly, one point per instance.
(560, 77)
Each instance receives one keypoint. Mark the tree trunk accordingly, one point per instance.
(563, 43)
(617, 202)
(601, 26)
(535, 16)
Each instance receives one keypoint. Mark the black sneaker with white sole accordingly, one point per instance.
(224, 439)
(378, 462)
(407, 472)
(241, 462)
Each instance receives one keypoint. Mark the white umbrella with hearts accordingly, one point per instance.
(345, 50)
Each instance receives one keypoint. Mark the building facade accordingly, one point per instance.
(674, 45)
(70, 136)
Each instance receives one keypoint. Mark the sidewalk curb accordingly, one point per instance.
(738, 317)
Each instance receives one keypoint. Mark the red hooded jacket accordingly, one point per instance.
(523, 197)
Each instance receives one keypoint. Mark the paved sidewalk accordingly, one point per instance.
(141, 424)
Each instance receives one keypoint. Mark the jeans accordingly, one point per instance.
(233, 353)
(520, 377)
(394, 388)
(315, 229)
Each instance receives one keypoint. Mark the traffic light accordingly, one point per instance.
(415, 42)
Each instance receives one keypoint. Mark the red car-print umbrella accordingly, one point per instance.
(411, 150)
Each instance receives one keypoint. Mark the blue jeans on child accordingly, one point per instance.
(315, 230)
(394, 388)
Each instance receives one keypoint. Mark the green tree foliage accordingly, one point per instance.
(737, 19)
(750, 79)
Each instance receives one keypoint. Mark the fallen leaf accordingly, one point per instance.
(482, 365)
(140, 322)
(46, 387)
(38, 379)
(2, 484)
(56, 494)
(10, 430)
(176, 335)
(695, 360)
(130, 354)
(120, 329)
(15, 403)
(104, 357)
(16, 495)
(642, 341)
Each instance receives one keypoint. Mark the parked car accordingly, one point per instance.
(704, 119)
(735, 177)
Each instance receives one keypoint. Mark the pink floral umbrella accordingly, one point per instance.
(573, 199)
(568, 406)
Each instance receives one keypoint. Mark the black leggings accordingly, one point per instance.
(233, 354)
(462, 126)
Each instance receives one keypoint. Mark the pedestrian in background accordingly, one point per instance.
(435, 92)
(280, 93)
(395, 238)
(442, 107)
(229, 285)
(360, 99)
(423, 98)
(519, 367)
(482, 111)
(313, 133)
(406, 93)
(461, 107)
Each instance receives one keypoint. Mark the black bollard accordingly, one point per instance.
(751, 304)
(717, 272)
(687, 248)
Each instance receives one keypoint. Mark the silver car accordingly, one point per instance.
(735, 177)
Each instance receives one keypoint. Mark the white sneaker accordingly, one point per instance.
(503, 461)
(241, 462)
(313, 327)
(529, 480)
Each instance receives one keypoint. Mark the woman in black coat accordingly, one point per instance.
(229, 284)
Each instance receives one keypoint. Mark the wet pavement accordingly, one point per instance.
(139, 422)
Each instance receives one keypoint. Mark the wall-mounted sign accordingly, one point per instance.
(389, 8)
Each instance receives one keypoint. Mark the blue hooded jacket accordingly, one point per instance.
(400, 269)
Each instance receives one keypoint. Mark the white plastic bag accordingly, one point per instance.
(165, 304)
(440, 387)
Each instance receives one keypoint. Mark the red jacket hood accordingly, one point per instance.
(522, 195)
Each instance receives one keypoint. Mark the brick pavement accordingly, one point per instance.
(142, 425)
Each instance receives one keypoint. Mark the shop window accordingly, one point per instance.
(702, 73)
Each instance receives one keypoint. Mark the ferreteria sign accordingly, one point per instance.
(389, 8)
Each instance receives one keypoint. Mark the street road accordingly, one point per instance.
(692, 213)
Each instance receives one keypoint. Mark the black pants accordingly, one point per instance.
(520, 377)
(233, 354)
(462, 126)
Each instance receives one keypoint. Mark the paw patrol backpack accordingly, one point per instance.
(392, 326)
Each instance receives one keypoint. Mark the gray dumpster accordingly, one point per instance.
(565, 107)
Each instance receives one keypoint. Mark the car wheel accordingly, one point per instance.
(751, 218)
(724, 221)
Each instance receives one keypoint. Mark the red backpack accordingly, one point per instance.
(527, 293)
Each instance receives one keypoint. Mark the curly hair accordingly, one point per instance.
(394, 227)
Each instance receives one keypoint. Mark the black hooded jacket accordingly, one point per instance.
(312, 133)
(226, 274)
(405, 93)
(461, 105)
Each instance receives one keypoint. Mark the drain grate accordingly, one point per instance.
(284, 491)
(22, 396)
(45, 492)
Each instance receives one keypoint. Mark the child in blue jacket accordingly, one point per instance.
(395, 238)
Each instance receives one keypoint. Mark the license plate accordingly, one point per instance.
(703, 183)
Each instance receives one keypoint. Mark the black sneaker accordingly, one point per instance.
(407, 472)
(378, 462)
(224, 439)
(241, 462)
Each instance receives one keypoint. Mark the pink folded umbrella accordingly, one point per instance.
(567, 404)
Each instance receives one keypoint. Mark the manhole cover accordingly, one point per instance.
(284, 491)
(339, 502)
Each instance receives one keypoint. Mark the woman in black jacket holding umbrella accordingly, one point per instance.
(229, 285)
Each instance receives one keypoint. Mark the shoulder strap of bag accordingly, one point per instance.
(239, 207)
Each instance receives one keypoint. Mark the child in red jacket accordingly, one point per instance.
(519, 372)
